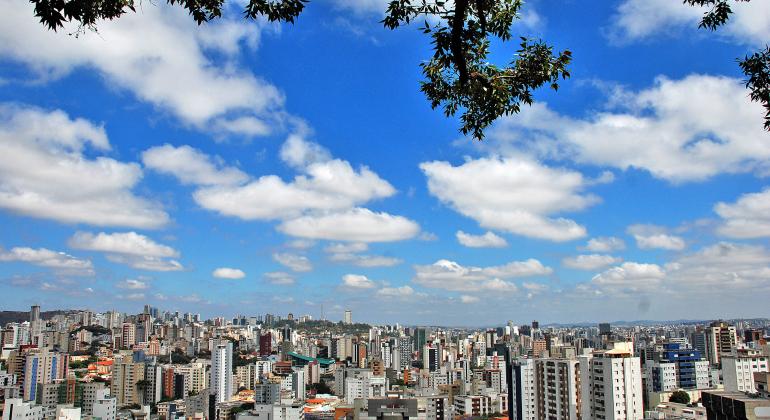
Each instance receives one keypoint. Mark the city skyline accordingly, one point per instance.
(247, 167)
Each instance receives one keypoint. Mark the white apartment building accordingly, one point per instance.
(738, 369)
(221, 382)
(611, 384)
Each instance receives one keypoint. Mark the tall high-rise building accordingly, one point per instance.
(611, 384)
(43, 367)
(348, 317)
(430, 357)
(558, 389)
(522, 390)
(404, 352)
(420, 338)
(720, 338)
(128, 337)
(126, 374)
(221, 379)
(265, 344)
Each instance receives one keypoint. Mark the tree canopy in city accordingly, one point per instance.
(458, 77)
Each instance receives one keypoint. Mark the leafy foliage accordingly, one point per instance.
(680, 397)
(459, 77)
(54, 13)
(756, 66)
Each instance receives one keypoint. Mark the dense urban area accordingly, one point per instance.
(72, 365)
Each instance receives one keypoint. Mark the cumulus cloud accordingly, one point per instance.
(299, 153)
(604, 244)
(357, 224)
(357, 281)
(515, 195)
(129, 248)
(54, 167)
(318, 203)
(487, 240)
(655, 237)
(716, 271)
(683, 130)
(228, 273)
(46, 258)
(640, 19)
(469, 299)
(294, 262)
(590, 261)
(629, 278)
(722, 268)
(130, 243)
(160, 56)
(396, 292)
(280, 278)
(133, 284)
(748, 217)
(350, 253)
(144, 262)
(449, 275)
(191, 166)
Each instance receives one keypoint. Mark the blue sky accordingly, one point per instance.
(244, 167)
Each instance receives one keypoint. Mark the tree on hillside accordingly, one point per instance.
(458, 77)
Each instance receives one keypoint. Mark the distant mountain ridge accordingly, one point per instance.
(21, 316)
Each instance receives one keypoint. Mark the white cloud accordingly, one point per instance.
(366, 260)
(280, 278)
(356, 281)
(590, 261)
(512, 194)
(396, 292)
(320, 203)
(191, 166)
(146, 262)
(295, 262)
(639, 19)
(160, 55)
(133, 284)
(682, 130)
(487, 240)
(46, 258)
(630, 277)
(655, 237)
(228, 273)
(325, 185)
(47, 172)
(719, 271)
(299, 153)
(748, 217)
(129, 248)
(449, 275)
(605, 244)
(300, 244)
(346, 248)
(350, 253)
(469, 299)
(130, 243)
(722, 269)
(357, 224)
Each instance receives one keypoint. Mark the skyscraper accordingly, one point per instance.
(221, 380)
(720, 338)
(611, 384)
(348, 317)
